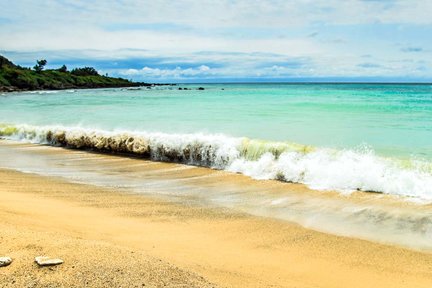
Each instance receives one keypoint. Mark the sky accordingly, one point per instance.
(225, 40)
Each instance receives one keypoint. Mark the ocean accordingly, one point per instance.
(343, 137)
(275, 150)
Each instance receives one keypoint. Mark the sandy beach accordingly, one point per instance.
(109, 238)
(207, 144)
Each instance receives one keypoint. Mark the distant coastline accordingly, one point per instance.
(14, 78)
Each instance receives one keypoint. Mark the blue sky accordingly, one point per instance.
(208, 41)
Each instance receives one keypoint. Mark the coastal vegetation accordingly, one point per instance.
(16, 78)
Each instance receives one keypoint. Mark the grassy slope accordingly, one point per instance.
(17, 78)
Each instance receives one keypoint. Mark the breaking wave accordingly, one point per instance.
(318, 168)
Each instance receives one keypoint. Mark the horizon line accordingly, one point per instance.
(299, 82)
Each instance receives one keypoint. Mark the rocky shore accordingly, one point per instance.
(14, 78)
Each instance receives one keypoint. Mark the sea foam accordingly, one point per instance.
(318, 168)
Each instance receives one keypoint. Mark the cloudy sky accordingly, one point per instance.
(207, 41)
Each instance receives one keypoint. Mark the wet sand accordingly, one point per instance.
(370, 216)
(111, 238)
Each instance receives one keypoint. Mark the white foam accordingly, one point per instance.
(343, 171)
(40, 92)
(323, 169)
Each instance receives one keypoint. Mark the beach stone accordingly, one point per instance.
(5, 261)
(47, 261)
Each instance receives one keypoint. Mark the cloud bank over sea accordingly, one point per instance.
(194, 41)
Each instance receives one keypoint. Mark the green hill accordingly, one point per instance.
(16, 78)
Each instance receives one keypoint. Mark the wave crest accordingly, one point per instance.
(319, 168)
(215, 151)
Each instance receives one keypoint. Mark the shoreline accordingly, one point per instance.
(319, 168)
(380, 218)
(8, 89)
(14, 78)
(227, 248)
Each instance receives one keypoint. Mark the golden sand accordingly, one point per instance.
(109, 238)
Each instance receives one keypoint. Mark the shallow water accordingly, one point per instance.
(344, 137)
(392, 119)
(368, 216)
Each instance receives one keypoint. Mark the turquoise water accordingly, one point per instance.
(392, 119)
(351, 130)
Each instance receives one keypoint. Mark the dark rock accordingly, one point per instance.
(8, 89)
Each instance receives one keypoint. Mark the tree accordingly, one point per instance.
(5, 62)
(86, 71)
(62, 69)
(40, 65)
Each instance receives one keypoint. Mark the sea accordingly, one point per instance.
(342, 138)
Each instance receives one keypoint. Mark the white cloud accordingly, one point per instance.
(175, 73)
(224, 13)
(257, 30)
